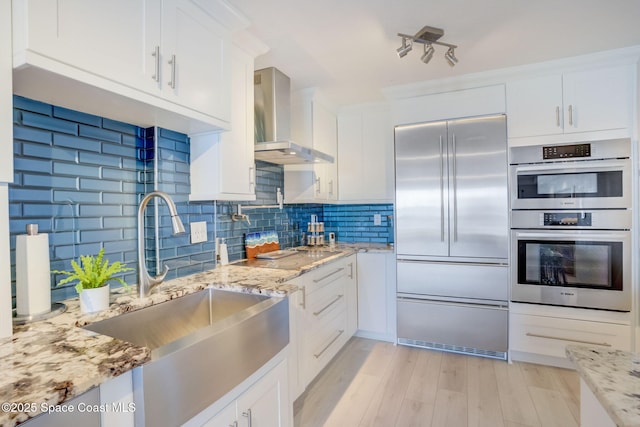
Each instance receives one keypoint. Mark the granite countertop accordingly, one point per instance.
(614, 378)
(51, 361)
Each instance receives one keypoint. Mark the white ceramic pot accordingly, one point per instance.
(96, 299)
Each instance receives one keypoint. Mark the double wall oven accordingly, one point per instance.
(571, 224)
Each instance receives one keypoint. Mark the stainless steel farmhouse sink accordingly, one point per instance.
(202, 345)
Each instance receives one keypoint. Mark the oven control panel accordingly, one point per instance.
(566, 151)
(564, 219)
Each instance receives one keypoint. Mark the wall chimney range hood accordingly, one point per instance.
(272, 94)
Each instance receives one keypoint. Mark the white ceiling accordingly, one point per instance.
(347, 48)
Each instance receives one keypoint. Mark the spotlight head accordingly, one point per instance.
(450, 57)
(404, 49)
(428, 53)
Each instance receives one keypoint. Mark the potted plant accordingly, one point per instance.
(93, 274)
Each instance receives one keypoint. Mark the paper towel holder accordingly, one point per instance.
(56, 309)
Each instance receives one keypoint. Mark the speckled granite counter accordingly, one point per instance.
(52, 361)
(614, 378)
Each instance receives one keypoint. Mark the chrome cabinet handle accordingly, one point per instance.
(331, 187)
(318, 313)
(340, 332)
(303, 304)
(441, 190)
(605, 344)
(328, 275)
(570, 115)
(235, 424)
(247, 414)
(156, 55)
(350, 270)
(318, 185)
(172, 62)
(252, 178)
(455, 191)
(557, 116)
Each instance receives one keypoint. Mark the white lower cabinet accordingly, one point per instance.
(540, 334)
(377, 296)
(323, 318)
(265, 404)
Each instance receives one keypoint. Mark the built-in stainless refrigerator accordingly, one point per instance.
(452, 235)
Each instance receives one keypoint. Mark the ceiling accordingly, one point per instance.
(347, 48)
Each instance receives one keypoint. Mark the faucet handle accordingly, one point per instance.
(153, 281)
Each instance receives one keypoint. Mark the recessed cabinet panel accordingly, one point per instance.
(110, 38)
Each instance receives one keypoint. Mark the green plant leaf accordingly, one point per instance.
(93, 272)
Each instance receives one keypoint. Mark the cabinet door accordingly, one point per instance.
(365, 153)
(600, 99)
(266, 403)
(115, 39)
(196, 59)
(6, 100)
(237, 167)
(325, 135)
(372, 293)
(478, 198)
(225, 418)
(421, 190)
(534, 106)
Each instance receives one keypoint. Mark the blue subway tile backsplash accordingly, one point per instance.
(81, 177)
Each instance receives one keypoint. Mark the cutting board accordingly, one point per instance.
(261, 242)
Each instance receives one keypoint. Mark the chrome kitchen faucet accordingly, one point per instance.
(145, 282)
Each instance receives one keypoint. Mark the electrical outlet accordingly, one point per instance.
(198, 232)
(377, 219)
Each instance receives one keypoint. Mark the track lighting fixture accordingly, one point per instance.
(405, 48)
(428, 53)
(428, 36)
(450, 57)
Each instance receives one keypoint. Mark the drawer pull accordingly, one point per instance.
(303, 304)
(328, 275)
(317, 313)
(340, 332)
(529, 334)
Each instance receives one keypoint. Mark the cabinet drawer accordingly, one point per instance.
(549, 335)
(321, 344)
(322, 304)
(326, 275)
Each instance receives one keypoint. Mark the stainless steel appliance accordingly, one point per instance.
(571, 220)
(452, 235)
(572, 258)
(572, 176)
(272, 97)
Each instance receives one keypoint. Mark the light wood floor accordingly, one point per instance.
(373, 383)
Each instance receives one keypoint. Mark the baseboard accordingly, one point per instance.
(540, 359)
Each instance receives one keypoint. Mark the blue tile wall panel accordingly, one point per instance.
(70, 183)
(80, 178)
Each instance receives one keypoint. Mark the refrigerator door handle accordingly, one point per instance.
(455, 189)
(441, 190)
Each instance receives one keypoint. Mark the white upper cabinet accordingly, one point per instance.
(599, 99)
(6, 102)
(222, 164)
(116, 39)
(195, 56)
(313, 124)
(147, 62)
(365, 153)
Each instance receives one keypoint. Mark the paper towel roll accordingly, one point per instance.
(224, 254)
(33, 277)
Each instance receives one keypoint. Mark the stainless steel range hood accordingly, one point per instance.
(272, 94)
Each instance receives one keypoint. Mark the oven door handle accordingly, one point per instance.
(563, 234)
(599, 166)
